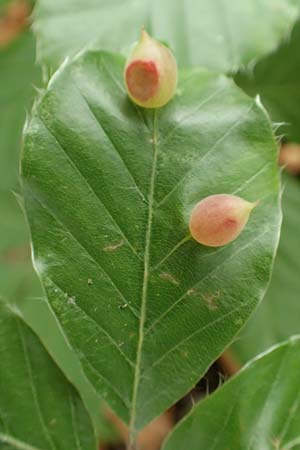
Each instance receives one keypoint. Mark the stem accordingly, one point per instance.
(131, 445)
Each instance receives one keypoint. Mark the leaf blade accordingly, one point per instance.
(93, 278)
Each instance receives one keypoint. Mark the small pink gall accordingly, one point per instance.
(150, 73)
(219, 219)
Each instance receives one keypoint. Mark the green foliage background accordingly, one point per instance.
(256, 43)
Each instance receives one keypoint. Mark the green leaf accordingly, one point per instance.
(108, 191)
(218, 34)
(39, 409)
(275, 78)
(277, 317)
(16, 94)
(257, 409)
(17, 278)
(18, 282)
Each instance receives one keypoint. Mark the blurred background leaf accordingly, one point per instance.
(228, 39)
(275, 77)
(18, 76)
(219, 35)
(17, 278)
(39, 409)
(277, 317)
(257, 409)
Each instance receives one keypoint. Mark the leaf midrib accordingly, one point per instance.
(137, 372)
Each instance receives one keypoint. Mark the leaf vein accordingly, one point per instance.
(74, 426)
(210, 151)
(111, 386)
(137, 374)
(110, 139)
(33, 388)
(188, 237)
(78, 170)
(162, 316)
(190, 336)
(96, 262)
(106, 333)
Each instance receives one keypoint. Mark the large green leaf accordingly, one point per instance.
(39, 409)
(277, 317)
(16, 94)
(276, 78)
(217, 34)
(259, 409)
(108, 190)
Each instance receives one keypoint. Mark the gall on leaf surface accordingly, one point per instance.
(219, 219)
(109, 188)
(150, 74)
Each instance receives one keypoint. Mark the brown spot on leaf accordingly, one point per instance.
(211, 299)
(168, 277)
(113, 247)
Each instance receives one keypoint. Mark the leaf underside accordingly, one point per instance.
(108, 191)
(219, 35)
(257, 409)
(275, 78)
